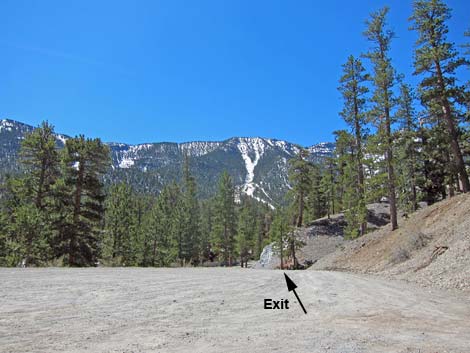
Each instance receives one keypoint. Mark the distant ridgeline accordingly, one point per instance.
(258, 166)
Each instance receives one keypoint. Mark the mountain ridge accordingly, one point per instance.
(258, 165)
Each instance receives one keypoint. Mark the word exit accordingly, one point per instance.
(276, 304)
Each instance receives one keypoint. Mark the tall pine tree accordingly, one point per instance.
(353, 91)
(81, 200)
(383, 78)
(225, 219)
(437, 60)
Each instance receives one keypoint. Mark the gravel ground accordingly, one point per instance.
(221, 310)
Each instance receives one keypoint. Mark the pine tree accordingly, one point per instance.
(40, 159)
(384, 78)
(279, 232)
(353, 91)
(316, 198)
(207, 223)
(408, 146)
(437, 167)
(437, 57)
(121, 243)
(353, 202)
(300, 176)
(329, 186)
(191, 236)
(162, 229)
(29, 225)
(246, 232)
(225, 218)
(81, 200)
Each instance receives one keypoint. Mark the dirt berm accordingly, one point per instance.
(431, 247)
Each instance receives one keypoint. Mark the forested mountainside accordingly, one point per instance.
(258, 166)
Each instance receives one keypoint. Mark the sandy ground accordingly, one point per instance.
(221, 310)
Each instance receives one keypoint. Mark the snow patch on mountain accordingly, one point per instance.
(130, 155)
(198, 148)
(245, 146)
(6, 125)
(252, 149)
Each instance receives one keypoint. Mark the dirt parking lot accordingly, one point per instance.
(221, 310)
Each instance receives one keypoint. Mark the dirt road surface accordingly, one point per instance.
(221, 310)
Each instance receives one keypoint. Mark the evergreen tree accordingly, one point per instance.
(225, 219)
(353, 91)
(246, 232)
(121, 243)
(207, 223)
(329, 186)
(81, 198)
(437, 57)
(316, 198)
(408, 147)
(162, 230)
(438, 170)
(300, 176)
(30, 197)
(279, 232)
(190, 246)
(384, 78)
(40, 159)
(353, 202)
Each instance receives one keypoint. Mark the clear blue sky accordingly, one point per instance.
(180, 70)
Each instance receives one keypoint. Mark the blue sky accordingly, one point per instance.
(181, 70)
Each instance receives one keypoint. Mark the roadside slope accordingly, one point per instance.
(431, 248)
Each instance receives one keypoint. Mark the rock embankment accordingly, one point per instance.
(431, 248)
(324, 236)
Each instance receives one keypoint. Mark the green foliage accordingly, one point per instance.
(224, 228)
(384, 79)
(122, 232)
(247, 231)
(162, 229)
(300, 177)
(409, 151)
(279, 234)
(353, 200)
(436, 60)
(190, 245)
(80, 200)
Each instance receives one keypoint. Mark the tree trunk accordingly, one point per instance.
(42, 176)
(390, 170)
(301, 210)
(76, 212)
(454, 139)
(391, 189)
(360, 168)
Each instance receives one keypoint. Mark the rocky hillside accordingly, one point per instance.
(324, 236)
(431, 247)
(258, 166)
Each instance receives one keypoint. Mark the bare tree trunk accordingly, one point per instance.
(390, 170)
(301, 210)
(454, 140)
(76, 211)
(360, 168)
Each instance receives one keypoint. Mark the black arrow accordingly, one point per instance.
(291, 287)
